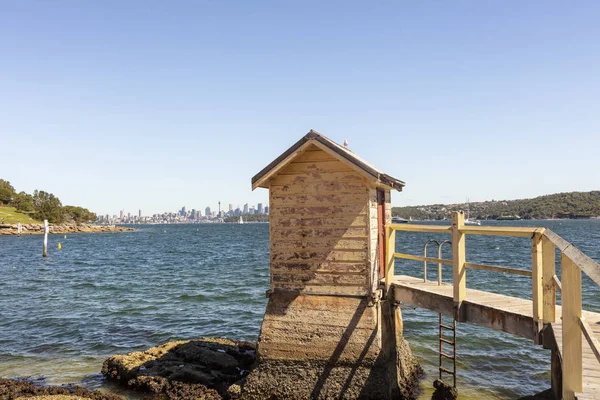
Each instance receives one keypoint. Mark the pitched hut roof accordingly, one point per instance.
(339, 152)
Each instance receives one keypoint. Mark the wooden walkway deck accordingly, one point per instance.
(509, 314)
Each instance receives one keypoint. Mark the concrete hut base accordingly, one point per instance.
(331, 347)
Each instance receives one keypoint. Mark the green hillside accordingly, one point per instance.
(559, 205)
(23, 207)
(10, 215)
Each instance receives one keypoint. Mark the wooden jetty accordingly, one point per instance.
(332, 329)
(572, 333)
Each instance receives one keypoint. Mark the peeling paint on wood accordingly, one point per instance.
(318, 278)
(320, 232)
(322, 187)
(321, 266)
(322, 244)
(317, 166)
(319, 226)
(316, 199)
(347, 176)
(354, 209)
(334, 221)
(334, 255)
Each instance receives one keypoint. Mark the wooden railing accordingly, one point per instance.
(544, 280)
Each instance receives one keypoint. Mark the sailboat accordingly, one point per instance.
(241, 221)
(468, 221)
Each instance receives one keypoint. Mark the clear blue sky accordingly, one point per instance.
(160, 104)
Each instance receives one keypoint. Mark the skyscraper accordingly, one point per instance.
(139, 213)
(122, 214)
(246, 208)
(260, 208)
(207, 212)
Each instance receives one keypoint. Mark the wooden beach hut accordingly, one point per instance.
(328, 209)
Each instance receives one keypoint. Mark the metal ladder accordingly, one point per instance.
(441, 324)
(445, 355)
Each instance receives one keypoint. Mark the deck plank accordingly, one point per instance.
(483, 308)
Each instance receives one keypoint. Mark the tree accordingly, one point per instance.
(47, 206)
(23, 202)
(7, 192)
(559, 205)
(78, 214)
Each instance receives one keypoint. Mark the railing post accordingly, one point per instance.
(459, 272)
(572, 367)
(390, 260)
(537, 286)
(549, 270)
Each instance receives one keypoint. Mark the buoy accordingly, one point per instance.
(65, 236)
(59, 246)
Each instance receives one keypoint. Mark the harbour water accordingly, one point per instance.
(110, 293)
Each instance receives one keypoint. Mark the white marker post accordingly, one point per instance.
(45, 238)
(19, 229)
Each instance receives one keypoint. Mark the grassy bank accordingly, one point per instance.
(12, 216)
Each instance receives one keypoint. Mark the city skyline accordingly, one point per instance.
(245, 209)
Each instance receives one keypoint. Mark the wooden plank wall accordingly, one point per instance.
(319, 222)
(373, 234)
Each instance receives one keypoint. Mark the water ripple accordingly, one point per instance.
(111, 293)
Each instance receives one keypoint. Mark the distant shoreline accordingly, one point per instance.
(513, 220)
(569, 205)
(38, 229)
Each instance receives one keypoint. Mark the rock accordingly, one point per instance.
(21, 388)
(28, 229)
(443, 391)
(180, 391)
(545, 395)
(150, 384)
(206, 366)
(211, 357)
(234, 391)
(53, 397)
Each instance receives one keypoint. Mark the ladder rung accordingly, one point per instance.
(447, 327)
(447, 341)
(448, 356)
(446, 371)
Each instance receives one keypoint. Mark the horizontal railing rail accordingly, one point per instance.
(544, 282)
(586, 329)
(421, 258)
(484, 267)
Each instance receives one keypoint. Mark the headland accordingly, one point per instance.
(38, 229)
